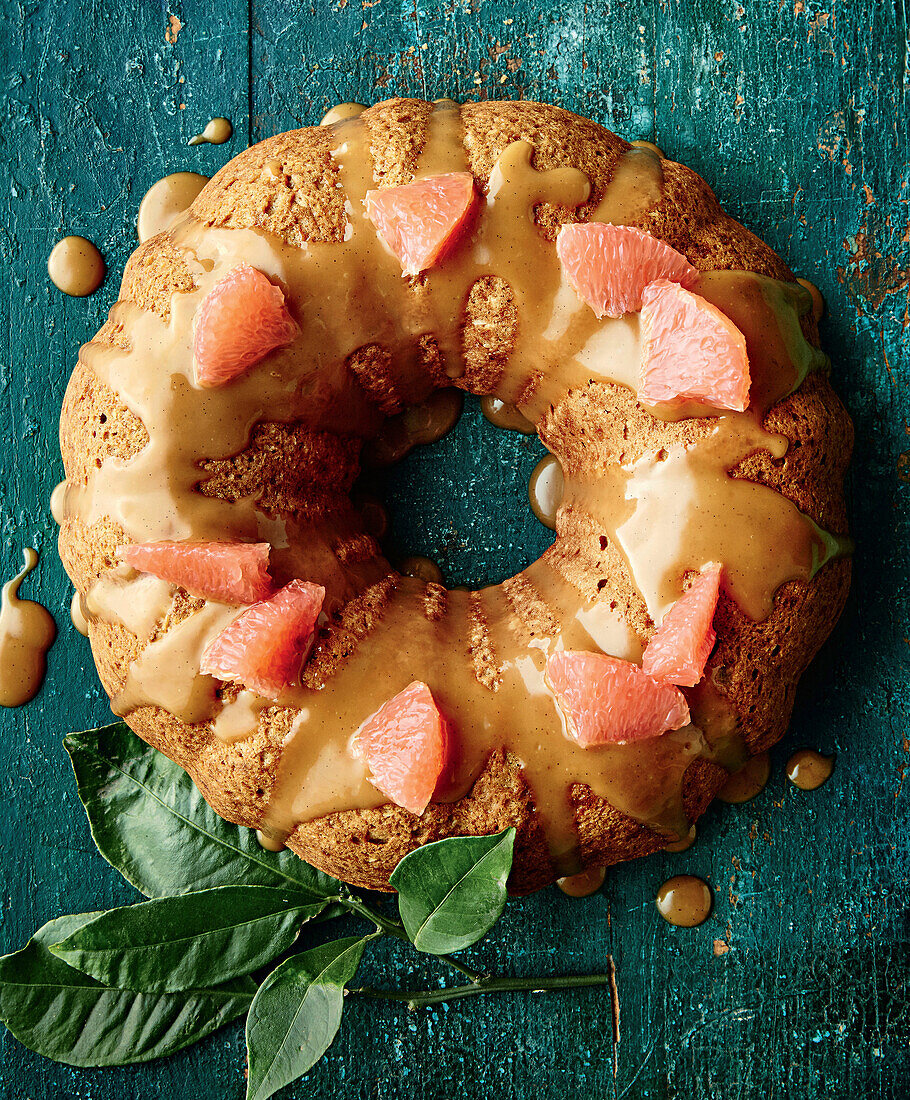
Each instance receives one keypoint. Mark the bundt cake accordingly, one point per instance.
(171, 446)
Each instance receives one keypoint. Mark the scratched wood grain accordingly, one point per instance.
(796, 113)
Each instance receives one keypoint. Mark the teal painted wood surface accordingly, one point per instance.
(796, 114)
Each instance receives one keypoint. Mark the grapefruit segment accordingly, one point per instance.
(264, 647)
(607, 701)
(680, 648)
(420, 220)
(405, 747)
(608, 266)
(239, 322)
(232, 572)
(691, 351)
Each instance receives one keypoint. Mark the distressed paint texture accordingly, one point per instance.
(796, 113)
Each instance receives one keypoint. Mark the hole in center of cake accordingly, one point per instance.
(463, 502)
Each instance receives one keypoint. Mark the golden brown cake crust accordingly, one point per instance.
(756, 664)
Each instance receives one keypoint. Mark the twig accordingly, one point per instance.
(392, 927)
(420, 998)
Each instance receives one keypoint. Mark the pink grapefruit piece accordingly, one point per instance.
(680, 648)
(405, 747)
(241, 320)
(420, 220)
(608, 701)
(691, 351)
(264, 647)
(232, 572)
(609, 266)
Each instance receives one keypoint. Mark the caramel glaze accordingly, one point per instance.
(545, 490)
(584, 883)
(166, 200)
(685, 900)
(27, 631)
(75, 266)
(483, 653)
(749, 781)
(808, 769)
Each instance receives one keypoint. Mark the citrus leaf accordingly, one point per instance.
(65, 1015)
(296, 1014)
(452, 892)
(188, 941)
(150, 822)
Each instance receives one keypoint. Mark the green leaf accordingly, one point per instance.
(150, 822)
(188, 941)
(296, 1014)
(452, 892)
(66, 1015)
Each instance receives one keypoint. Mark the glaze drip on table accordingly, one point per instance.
(482, 653)
(216, 132)
(75, 266)
(809, 769)
(27, 631)
(685, 900)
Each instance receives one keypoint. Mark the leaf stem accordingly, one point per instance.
(391, 927)
(420, 998)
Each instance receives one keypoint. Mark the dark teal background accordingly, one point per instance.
(797, 114)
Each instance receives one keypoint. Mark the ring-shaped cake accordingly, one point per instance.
(654, 493)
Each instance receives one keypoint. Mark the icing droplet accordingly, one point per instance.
(78, 615)
(684, 843)
(27, 631)
(650, 146)
(503, 415)
(217, 132)
(424, 568)
(75, 267)
(270, 843)
(58, 501)
(818, 301)
(545, 490)
(684, 900)
(749, 781)
(583, 884)
(374, 517)
(808, 769)
(341, 112)
(166, 200)
(421, 423)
